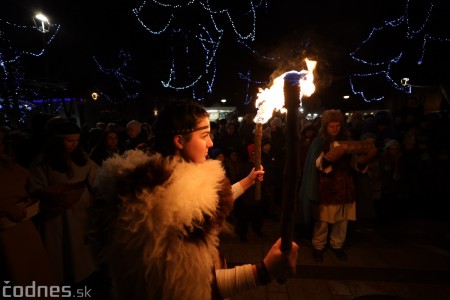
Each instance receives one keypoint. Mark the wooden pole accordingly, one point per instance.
(258, 138)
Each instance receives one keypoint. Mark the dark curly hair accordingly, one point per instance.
(179, 117)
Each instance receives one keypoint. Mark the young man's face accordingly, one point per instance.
(333, 128)
(196, 149)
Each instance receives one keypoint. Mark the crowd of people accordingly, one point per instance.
(142, 206)
(150, 214)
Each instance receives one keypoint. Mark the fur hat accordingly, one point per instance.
(135, 125)
(332, 115)
(390, 143)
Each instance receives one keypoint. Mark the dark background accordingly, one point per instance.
(286, 31)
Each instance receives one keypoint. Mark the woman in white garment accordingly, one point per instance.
(60, 177)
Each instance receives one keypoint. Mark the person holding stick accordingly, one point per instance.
(161, 215)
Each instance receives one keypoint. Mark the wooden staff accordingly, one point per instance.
(292, 162)
(257, 158)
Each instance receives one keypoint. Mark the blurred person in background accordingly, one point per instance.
(60, 178)
(134, 136)
(107, 147)
(23, 259)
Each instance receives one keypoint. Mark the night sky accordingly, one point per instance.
(286, 32)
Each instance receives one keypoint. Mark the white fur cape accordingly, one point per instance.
(162, 242)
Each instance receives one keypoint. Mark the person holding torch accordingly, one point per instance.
(160, 216)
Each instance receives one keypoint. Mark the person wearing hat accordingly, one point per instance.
(134, 136)
(107, 147)
(60, 177)
(327, 189)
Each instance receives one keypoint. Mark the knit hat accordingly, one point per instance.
(135, 125)
(66, 128)
(332, 115)
(390, 143)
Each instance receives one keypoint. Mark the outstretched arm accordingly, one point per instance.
(240, 187)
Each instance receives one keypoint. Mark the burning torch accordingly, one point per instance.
(290, 86)
(267, 101)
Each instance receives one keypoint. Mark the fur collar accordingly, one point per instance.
(164, 216)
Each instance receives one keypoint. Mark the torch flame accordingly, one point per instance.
(272, 98)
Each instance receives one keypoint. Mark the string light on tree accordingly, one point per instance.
(205, 32)
(403, 28)
(14, 102)
(247, 78)
(127, 84)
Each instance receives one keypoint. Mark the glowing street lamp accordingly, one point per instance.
(94, 96)
(42, 23)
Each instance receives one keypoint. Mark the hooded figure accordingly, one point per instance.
(309, 191)
(327, 192)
